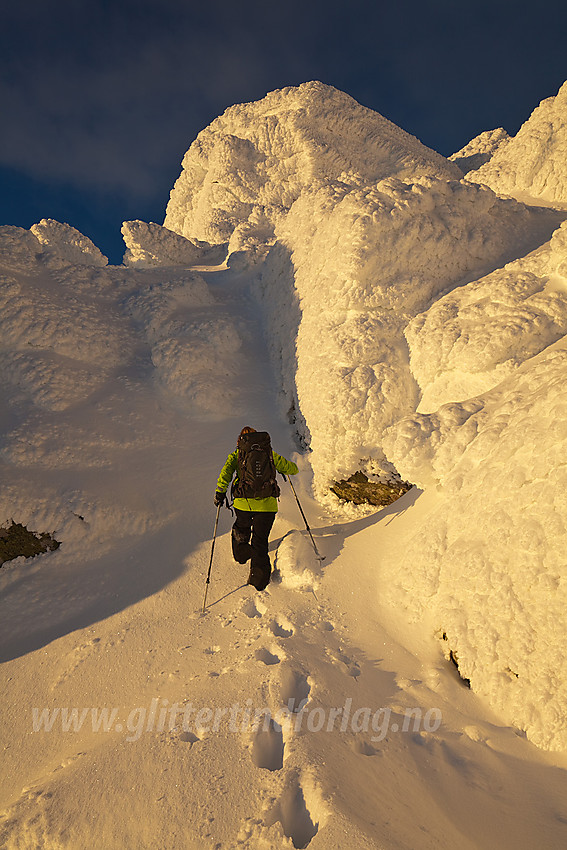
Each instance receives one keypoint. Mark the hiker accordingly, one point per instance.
(255, 493)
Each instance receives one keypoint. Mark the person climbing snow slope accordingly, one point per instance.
(255, 492)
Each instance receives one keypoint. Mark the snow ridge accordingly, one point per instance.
(534, 162)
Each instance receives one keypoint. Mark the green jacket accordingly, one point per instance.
(288, 467)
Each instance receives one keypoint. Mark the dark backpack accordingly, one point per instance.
(256, 468)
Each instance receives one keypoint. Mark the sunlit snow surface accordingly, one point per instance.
(534, 162)
(397, 316)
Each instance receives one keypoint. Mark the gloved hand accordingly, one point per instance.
(219, 498)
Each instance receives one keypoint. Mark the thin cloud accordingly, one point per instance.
(121, 120)
(108, 96)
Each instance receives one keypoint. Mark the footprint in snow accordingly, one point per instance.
(339, 658)
(268, 746)
(281, 627)
(253, 608)
(266, 656)
(188, 738)
(301, 810)
(76, 657)
(363, 748)
(294, 689)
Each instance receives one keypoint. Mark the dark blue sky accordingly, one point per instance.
(101, 98)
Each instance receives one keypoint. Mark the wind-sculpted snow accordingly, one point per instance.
(49, 243)
(84, 353)
(194, 346)
(474, 337)
(488, 563)
(480, 149)
(58, 340)
(149, 245)
(244, 171)
(534, 162)
(67, 243)
(350, 269)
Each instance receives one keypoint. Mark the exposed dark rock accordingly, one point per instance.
(453, 657)
(360, 490)
(16, 541)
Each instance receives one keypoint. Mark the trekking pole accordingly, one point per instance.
(211, 561)
(320, 557)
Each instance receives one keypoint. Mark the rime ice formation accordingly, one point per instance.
(480, 149)
(56, 245)
(534, 162)
(242, 173)
(149, 244)
(67, 243)
(489, 560)
(474, 337)
(352, 267)
(383, 313)
(369, 227)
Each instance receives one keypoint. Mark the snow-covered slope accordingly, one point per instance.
(72, 405)
(534, 162)
(401, 316)
(244, 171)
(117, 689)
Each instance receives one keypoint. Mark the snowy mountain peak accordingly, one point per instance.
(244, 171)
(534, 163)
(480, 149)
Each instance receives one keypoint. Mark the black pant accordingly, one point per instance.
(258, 524)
